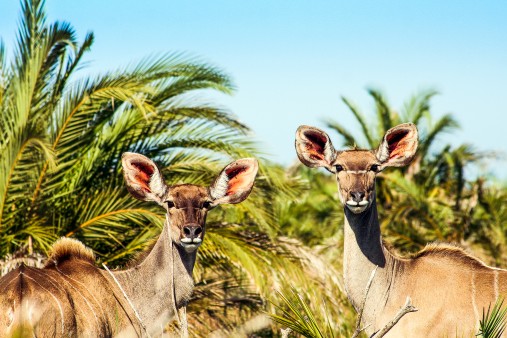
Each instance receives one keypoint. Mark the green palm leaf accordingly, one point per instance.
(297, 316)
(494, 320)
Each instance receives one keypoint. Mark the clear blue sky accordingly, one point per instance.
(291, 60)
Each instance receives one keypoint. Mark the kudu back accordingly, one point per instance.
(72, 297)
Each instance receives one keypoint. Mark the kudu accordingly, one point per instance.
(447, 286)
(71, 297)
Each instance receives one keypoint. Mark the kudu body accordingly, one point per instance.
(448, 287)
(71, 297)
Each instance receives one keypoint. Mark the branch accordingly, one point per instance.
(358, 329)
(183, 325)
(408, 307)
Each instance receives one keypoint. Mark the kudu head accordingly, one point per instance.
(186, 204)
(356, 170)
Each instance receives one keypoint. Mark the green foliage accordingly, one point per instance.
(316, 213)
(488, 225)
(493, 322)
(62, 138)
(431, 200)
(297, 316)
(61, 141)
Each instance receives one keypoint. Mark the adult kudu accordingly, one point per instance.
(447, 286)
(71, 297)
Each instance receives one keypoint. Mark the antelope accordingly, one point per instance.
(72, 297)
(449, 287)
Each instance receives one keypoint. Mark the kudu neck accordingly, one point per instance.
(161, 282)
(364, 230)
(167, 254)
(363, 253)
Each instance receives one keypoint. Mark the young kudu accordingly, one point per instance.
(71, 297)
(448, 287)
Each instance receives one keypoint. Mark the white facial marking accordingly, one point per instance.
(190, 247)
(356, 171)
(357, 209)
(186, 241)
(355, 204)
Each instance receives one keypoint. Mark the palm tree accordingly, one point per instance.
(62, 136)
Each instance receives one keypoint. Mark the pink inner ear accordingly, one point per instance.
(316, 145)
(397, 144)
(238, 179)
(314, 155)
(143, 174)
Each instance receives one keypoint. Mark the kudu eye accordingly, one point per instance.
(206, 204)
(170, 204)
(375, 168)
(338, 168)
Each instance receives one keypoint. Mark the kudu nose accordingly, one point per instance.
(192, 231)
(357, 196)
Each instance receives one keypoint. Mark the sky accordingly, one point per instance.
(293, 60)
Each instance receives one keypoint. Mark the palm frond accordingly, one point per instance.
(494, 321)
(385, 116)
(446, 123)
(361, 120)
(418, 106)
(297, 316)
(349, 140)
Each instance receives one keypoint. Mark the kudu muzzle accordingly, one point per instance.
(191, 236)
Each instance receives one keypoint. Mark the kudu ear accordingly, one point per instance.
(235, 182)
(143, 178)
(398, 146)
(314, 148)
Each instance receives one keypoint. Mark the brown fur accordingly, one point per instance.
(451, 252)
(140, 256)
(71, 297)
(68, 248)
